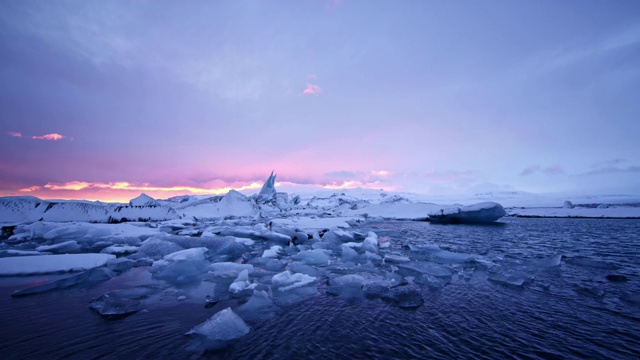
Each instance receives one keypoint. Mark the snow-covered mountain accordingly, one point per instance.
(30, 209)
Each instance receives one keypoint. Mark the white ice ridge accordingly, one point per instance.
(44, 264)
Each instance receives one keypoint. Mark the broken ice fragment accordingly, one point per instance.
(219, 331)
(181, 267)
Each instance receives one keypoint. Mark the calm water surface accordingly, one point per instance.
(566, 311)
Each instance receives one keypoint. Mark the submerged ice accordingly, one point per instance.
(219, 330)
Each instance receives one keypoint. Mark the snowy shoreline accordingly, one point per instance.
(347, 204)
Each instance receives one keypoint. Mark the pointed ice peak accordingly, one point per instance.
(143, 200)
(235, 195)
(269, 187)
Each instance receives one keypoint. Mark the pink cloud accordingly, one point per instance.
(30, 189)
(14, 134)
(312, 90)
(53, 136)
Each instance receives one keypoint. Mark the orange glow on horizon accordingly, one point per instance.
(122, 191)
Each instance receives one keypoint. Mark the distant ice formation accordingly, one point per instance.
(485, 212)
(269, 188)
(143, 200)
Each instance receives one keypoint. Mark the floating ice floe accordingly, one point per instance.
(349, 286)
(272, 252)
(120, 249)
(85, 278)
(259, 307)
(286, 281)
(290, 288)
(485, 212)
(46, 264)
(229, 269)
(157, 248)
(70, 246)
(315, 222)
(242, 283)
(120, 303)
(12, 252)
(313, 257)
(83, 231)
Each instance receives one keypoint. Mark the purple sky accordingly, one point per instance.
(107, 99)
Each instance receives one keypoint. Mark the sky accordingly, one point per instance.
(103, 100)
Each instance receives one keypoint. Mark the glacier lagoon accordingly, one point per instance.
(531, 288)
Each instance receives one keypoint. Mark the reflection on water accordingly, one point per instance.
(566, 310)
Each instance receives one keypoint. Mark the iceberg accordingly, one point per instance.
(231, 205)
(348, 286)
(242, 283)
(291, 288)
(220, 330)
(259, 307)
(157, 248)
(269, 188)
(181, 267)
(313, 257)
(485, 212)
(285, 281)
(229, 269)
(272, 252)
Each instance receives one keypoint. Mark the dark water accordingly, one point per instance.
(566, 311)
